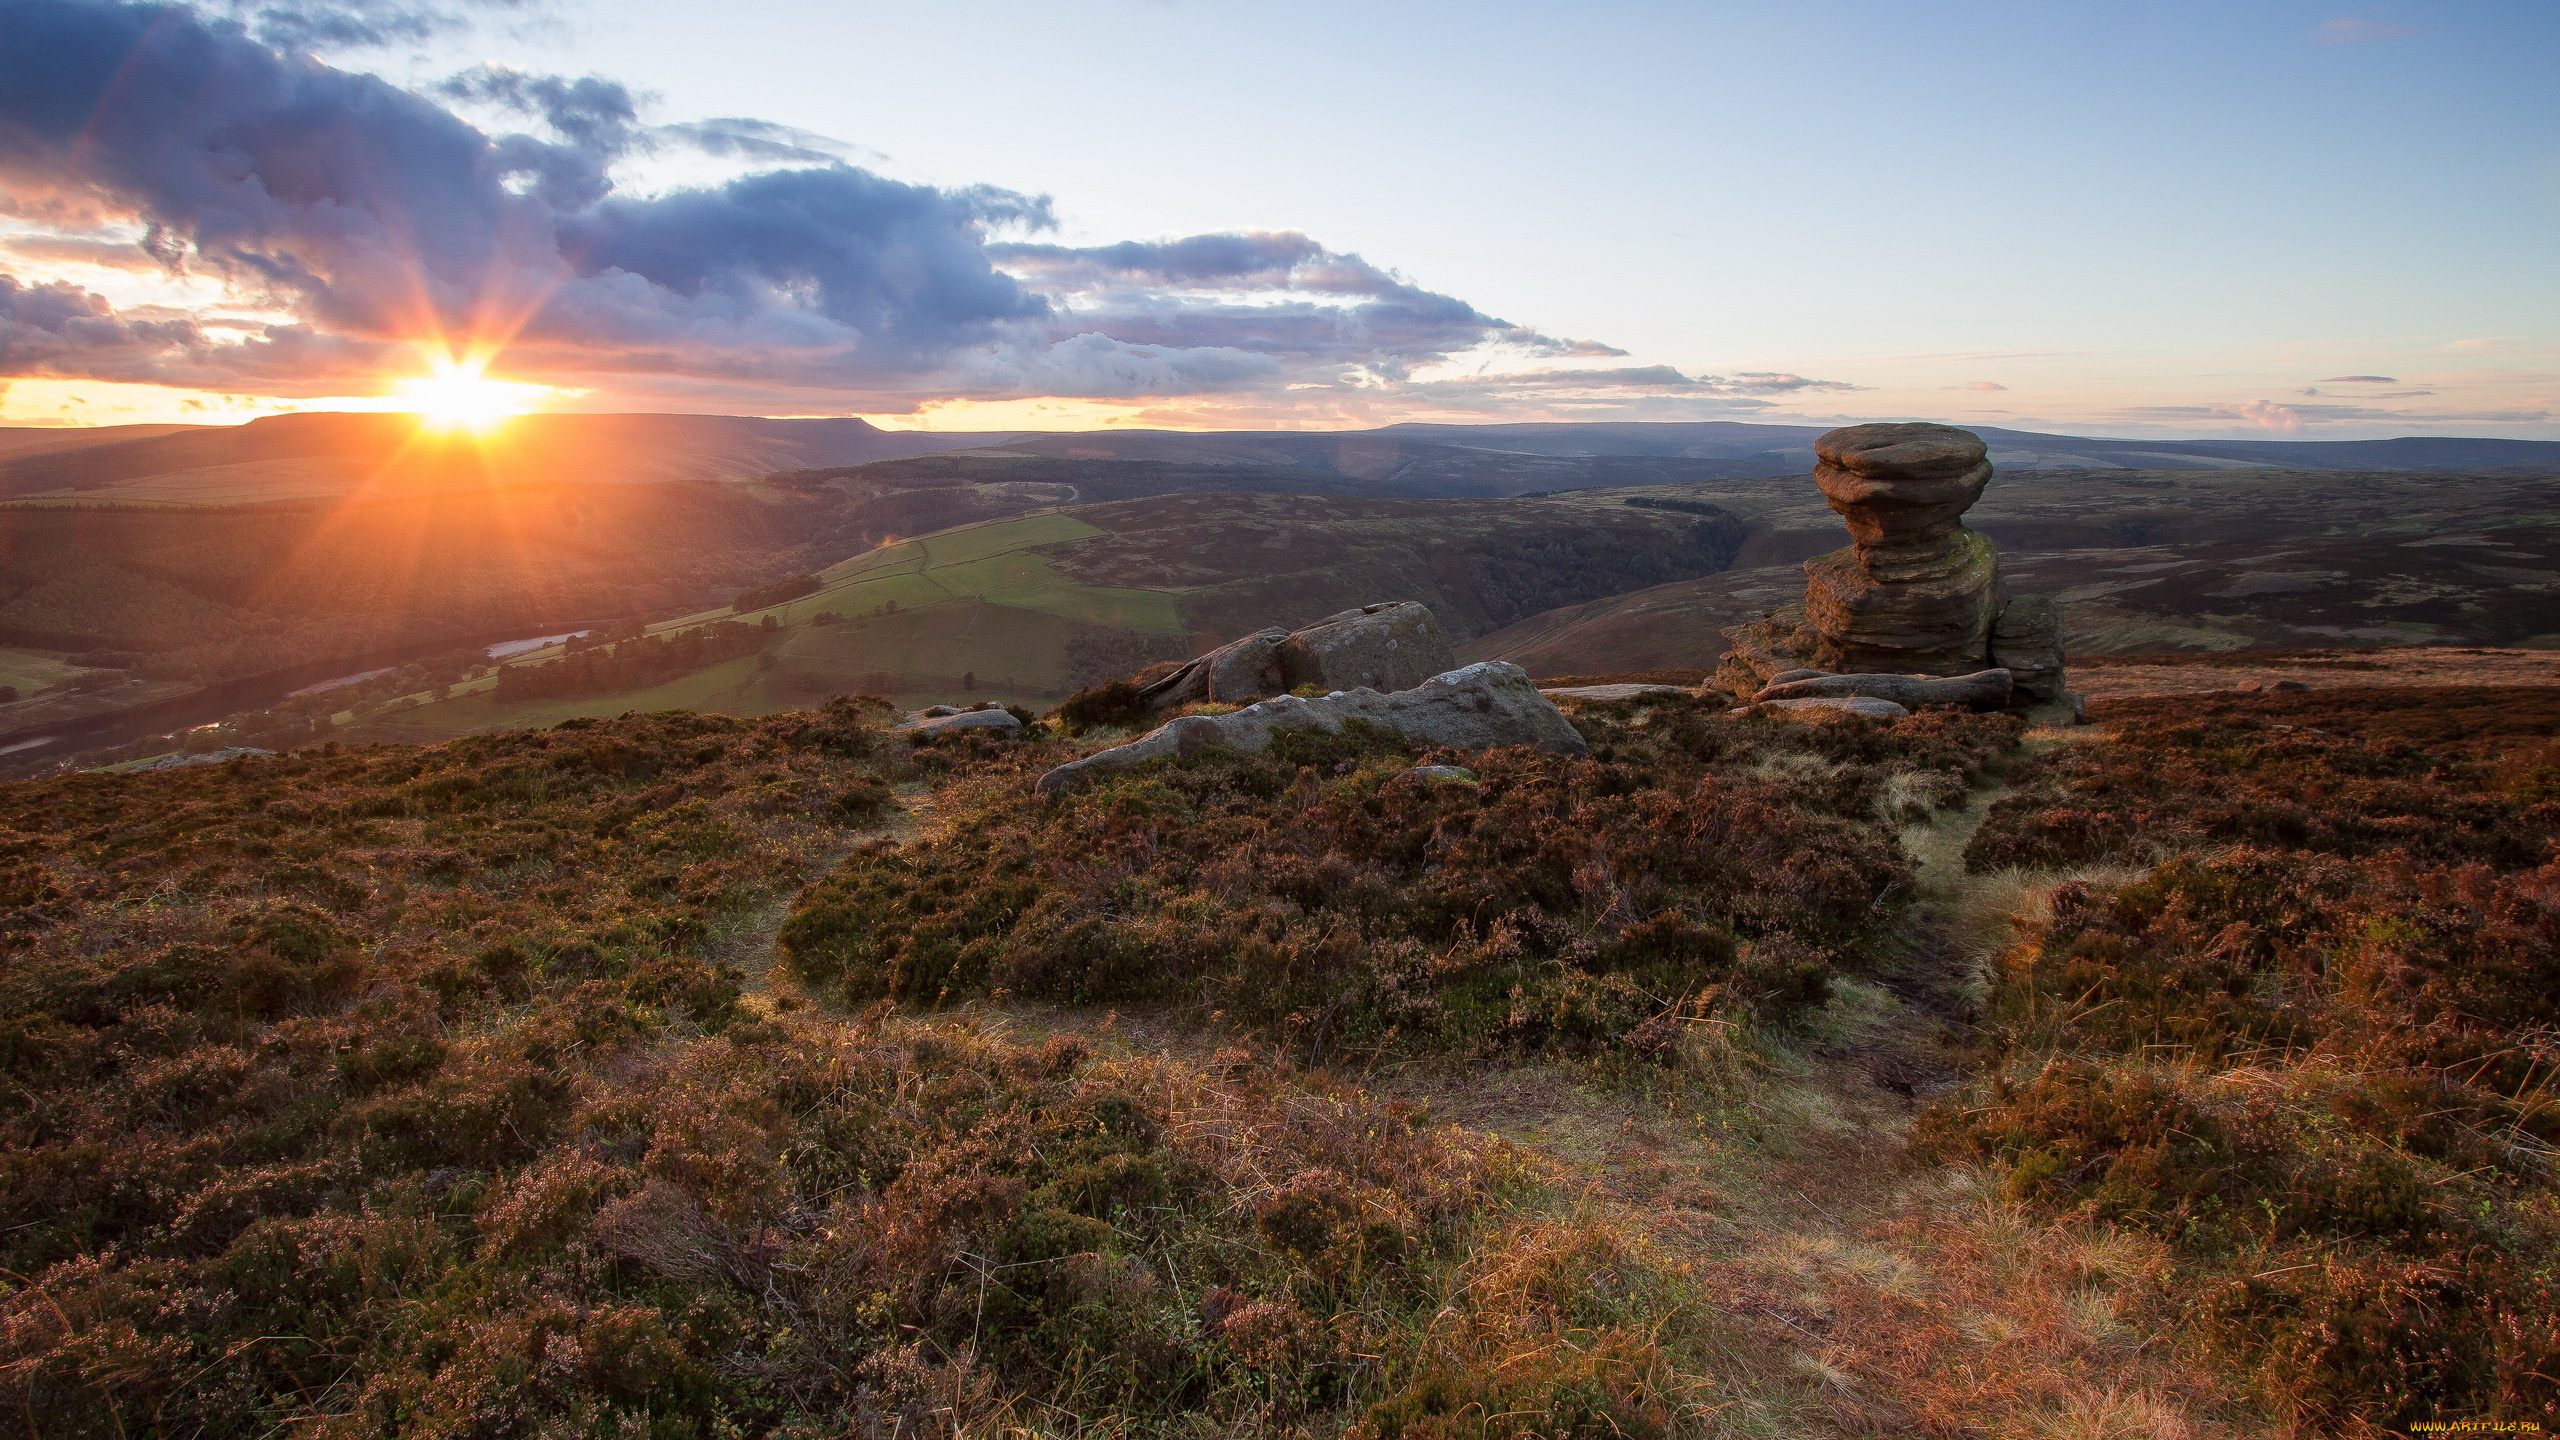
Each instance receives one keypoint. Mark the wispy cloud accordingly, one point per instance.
(2360, 380)
(2289, 419)
(2348, 30)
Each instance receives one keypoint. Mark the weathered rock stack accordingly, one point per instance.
(1915, 593)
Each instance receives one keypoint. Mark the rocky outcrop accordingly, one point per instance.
(1982, 690)
(1481, 707)
(1612, 692)
(986, 717)
(2026, 641)
(1915, 593)
(1387, 647)
(1819, 705)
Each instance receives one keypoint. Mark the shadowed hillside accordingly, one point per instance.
(2147, 561)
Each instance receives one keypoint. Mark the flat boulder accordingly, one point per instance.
(1982, 690)
(1821, 705)
(1614, 692)
(1480, 707)
(994, 717)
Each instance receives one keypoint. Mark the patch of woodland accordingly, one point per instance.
(2315, 1046)
(631, 664)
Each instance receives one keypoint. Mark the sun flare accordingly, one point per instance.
(458, 397)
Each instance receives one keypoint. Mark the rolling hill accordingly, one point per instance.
(286, 457)
(325, 455)
(1032, 607)
(2147, 561)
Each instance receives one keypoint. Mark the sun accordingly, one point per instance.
(458, 397)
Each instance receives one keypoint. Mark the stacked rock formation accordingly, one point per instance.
(1915, 593)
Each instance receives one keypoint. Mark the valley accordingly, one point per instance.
(1027, 567)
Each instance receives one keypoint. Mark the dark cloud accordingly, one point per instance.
(375, 216)
(1277, 293)
(56, 329)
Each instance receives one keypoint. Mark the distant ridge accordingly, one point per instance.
(309, 456)
(335, 453)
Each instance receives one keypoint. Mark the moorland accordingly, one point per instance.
(136, 574)
(684, 1074)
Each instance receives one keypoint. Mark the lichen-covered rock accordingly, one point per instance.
(1481, 707)
(1817, 706)
(2027, 642)
(993, 718)
(1612, 692)
(1983, 690)
(1761, 650)
(1387, 648)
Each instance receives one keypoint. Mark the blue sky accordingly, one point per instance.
(2269, 219)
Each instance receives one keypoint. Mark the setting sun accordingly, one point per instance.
(458, 397)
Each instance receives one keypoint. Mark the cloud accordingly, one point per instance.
(1635, 392)
(2349, 30)
(2360, 380)
(74, 250)
(2292, 419)
(1985, 386)
(375, 218)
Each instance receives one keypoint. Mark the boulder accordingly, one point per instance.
(2026, 641)
(1820, 705)
(1243, 671)
(1778, 643)
(1443, 774)
(1982, 690)
(992, 718)
(1483, 706)
(1613, 692)
(1386, 647)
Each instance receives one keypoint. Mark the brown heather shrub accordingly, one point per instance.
(1324, 892)
(400, 1092)
(2314, 1047)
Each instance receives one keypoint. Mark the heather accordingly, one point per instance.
(1342, 893)
(2311, 1046)
(439, 1091)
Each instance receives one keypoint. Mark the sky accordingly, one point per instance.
(2270, 220)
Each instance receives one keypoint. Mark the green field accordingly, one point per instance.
(989, 562)
(30, 671)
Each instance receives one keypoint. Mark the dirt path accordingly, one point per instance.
(745, 943)
(1870, 1295)
(1860, 1293)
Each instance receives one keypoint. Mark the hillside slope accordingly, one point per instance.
(1751, 1076)
(285, 457)
(2146, 561)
